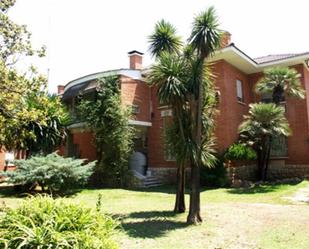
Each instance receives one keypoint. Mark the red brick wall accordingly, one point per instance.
(155, 136)
(230, 110)
(85, 141)
(136, 92)
(2, 159)
(297, 115)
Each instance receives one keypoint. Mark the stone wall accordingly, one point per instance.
(288, 171)
(275, 172)
(166, 175)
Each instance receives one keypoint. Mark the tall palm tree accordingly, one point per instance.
(184, 82)
(263, 122)
(205, 38)
(169, 76)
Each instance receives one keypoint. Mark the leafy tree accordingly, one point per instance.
(184, 82)
(15, 39)
(27, 114)
(264, 122)
(48, 135)
(109, 121)
(51, 172)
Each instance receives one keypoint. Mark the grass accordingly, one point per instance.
(233, 218)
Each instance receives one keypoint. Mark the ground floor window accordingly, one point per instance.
(279, 147)
(168, 154)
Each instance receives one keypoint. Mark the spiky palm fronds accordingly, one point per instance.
(280, 80)
(206, 36)
(169, 74)
(263, 120)
(164, 39)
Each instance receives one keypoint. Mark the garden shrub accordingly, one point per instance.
(240, 152)
(215, 176)
(51, 172)
(45, 223)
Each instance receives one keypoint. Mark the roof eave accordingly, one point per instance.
(246, 64)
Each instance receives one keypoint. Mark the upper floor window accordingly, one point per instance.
(135, 109)
(240, 93)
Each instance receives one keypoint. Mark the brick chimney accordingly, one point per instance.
(136, 59)
(60, 89)
(226, 39)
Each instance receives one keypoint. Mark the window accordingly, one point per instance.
(135, 109)
(279, 147)
(240, 94)
(9, 158)
(168, 154)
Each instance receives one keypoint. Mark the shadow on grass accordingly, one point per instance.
(151, 228)
(152, 214)
(259, 189)
(149, 224)
(10, 191)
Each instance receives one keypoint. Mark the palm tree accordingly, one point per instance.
(164, 39)
(169, 76)
(279, 81)
(184, 82)
(205, 38)
(263, 122)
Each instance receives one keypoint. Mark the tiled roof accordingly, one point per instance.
(275, 57)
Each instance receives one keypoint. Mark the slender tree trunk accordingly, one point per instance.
(180, 206)
(194, 216)
(259, 158)
(267, 157)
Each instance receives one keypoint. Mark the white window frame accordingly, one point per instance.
(239, 91)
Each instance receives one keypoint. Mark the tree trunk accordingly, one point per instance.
(194, 216)
(180, 206)
(267, 157)
(277, 95)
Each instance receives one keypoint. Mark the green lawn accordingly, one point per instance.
(233, 218)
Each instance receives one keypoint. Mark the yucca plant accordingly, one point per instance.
(45, 223)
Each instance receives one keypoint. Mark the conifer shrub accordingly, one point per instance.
(52, 173)
(45, 223)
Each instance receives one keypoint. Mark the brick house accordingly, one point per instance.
(236, 75)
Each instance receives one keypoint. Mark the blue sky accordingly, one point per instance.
(84, 37)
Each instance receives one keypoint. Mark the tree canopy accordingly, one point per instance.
(24, 100)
